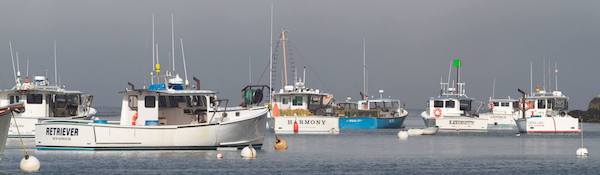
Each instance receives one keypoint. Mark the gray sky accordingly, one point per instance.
(104, 44)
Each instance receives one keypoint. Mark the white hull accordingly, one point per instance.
(555, 124)
(237, 132)
(27, 124)
(455, 123)
(4, 124)
(306, 125)
(499, 121)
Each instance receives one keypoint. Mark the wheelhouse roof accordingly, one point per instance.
(173, 92)
(45, 91)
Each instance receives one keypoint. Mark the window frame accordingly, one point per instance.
(35, 98)
(148, 99)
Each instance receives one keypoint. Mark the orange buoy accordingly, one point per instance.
(295, 126)
(134, 118)
(280, 144)
(275, 110)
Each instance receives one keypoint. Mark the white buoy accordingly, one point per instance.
(582, 152)
(402, 135)
(518, 134)
(248, 152)
(30, 164)
(219, 156)
(415, 132)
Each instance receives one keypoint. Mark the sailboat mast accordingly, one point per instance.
(285, 75)
(184, 64)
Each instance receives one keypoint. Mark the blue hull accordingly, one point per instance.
(370, 123)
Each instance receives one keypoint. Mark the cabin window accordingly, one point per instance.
(541, 104)
(162, 101)
(561, 104)
(195, 101)
(515, 104)
(395, 105)
(285, 100)
(450, 104)
(315, 100)
(505, 104)
(15, 99)
(550, 104)
(496, 103)
(133, 102)
(438, 104)
(34, 98)
(60, 101)
(465, 105)
(150, 101)
(297, 101)
(175, 100)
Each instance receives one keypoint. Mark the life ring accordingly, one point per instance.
(491, 106)
(134, 118)
(437, 112)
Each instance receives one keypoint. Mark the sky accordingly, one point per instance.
(410, 44)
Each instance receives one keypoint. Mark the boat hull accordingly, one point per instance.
(27, 124)
(458, 123)
(71, 135)
(306, 125)
(4, 125)
(556, 124)
(371, 122)
(499, 121)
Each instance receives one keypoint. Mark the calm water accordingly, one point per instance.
(351, 152)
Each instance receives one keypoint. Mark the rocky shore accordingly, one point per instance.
(592, 114)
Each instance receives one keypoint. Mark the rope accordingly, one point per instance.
(19, 133)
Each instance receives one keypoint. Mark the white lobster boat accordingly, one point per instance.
(44, 102)
(161, 117)
(547, 113)
(452, 109)
(502, 114)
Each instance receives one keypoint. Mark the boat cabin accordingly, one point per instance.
(542, 104)
(452, 101)
(42, 100)
(167, 107)
(300, 98)
(504, 106)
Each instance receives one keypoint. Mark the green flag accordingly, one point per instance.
(456, 63)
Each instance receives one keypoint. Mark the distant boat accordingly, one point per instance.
(453, 110)
(381, 113)
(368, 113)
(44, 102)
(167, 115)
(502, 114)
(298, 109)
(547, 113)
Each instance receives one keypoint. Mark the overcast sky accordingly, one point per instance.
(103, 44)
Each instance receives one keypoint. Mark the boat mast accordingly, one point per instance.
(544, 73)
(250, 69)
(285, 75)
(364, 69)
(55, 69)
(153, 52)
(12, 59)
(555, 76)
(530, 77)
(271, 56)
(184, 64)
(173, 42)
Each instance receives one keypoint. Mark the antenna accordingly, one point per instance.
(555, 76)
(55, 69)
(18, 66)
(530, 77)
(544, 73)
(364, 67)
(494, 88)
(27, 73)
(184, 64)
(12, 59)
(153, 50)
(304, 75)
(271, 56)
(173, 42)
(250, 69)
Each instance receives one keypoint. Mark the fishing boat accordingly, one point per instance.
(368, 113)
(381, 113)
(298, 109)
(43, 102)
(453, 110)
(6, 113)
(545, 112)
(502, 113)
(167, 115)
